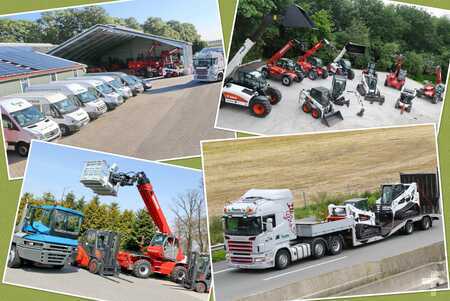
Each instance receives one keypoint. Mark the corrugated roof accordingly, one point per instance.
(23, 61)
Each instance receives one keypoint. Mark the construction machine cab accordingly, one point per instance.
(402, 74)
(315, 61)
(321, 95)
(167, 246)
(338, 86)
(360, 203)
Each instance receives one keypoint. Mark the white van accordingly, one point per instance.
(88, 99)
(113, 81)
(59, 108)
(22, 122)
(110, 97)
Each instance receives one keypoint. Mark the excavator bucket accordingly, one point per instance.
(326, 118)
(96, 176)
(296, 17)
(355, 48)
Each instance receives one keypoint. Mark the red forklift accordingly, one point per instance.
(397, 77)
(164, 254)
(283, 69)
(433, 92)
(313, 66)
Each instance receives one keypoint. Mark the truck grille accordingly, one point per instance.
(201, 72)
(235, 259)
(55, 254)
(241, 247)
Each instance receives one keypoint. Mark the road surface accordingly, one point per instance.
(287, 118)
(232, 284)
(166, 122)
(75, 281)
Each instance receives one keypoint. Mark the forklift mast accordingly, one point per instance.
(280, 53)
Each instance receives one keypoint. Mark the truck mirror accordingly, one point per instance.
(269, 225)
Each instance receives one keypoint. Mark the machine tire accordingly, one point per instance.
(286, 80)
(408, 109)
(335, 245)
(260, 106)
(419, 93)
(351, 74)
(306, 108)
(408, 228)
(14, 260)
(178, 274)
(265, 73)
(22, 149)
(318, 247)
(325, 74)
(142, 269)
(315, 113)
(282, 259)
(64, 130)
(200, 287)
(434, 100)
(312, 75)
(274, 95)
(425, 223)
(397, 104)
(385, 83)
(94, 266)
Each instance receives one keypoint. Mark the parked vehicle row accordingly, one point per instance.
(49, 111)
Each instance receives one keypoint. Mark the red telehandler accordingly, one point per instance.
(164, 254)
(283, 69)
(313, 66)
(397, 77)
(433, 92)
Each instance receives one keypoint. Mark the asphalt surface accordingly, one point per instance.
(232, 284)
(75, 281)
(287, 118)
(169, 121)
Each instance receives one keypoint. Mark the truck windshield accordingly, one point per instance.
(66, 223)
(158, 239)
(390, 193)
(105, 89)
(66, 106)
(243, 226)
(28, 116)
(40, 220)
(204, 62)
(87, 96)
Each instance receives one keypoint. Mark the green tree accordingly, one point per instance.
(157, 26)
(69, 201)
(142, 231)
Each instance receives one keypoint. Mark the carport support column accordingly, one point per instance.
(188, 59)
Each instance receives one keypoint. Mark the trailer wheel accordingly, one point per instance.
(335, 245)
(273, 95)
(408, 228)
(200, 287)
(142, 269)
(425, 223)
(93, 266)
(178, 274)
(319, 247)
(14, 260)
(286, 80)
(282, 259)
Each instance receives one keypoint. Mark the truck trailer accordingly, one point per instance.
(260, 230)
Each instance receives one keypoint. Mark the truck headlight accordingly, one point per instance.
(260, 259)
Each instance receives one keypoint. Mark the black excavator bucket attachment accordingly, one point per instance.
(296, 17)
(355, 48)
(326, 118)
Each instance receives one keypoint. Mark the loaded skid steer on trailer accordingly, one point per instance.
(252, 222)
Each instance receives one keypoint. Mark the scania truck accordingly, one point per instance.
(261, 230)
(209, 64)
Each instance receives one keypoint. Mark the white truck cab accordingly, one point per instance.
(88, 98)
(209, 64)
(113, 81)
(22, 122)
(59, 108)
(111, 98)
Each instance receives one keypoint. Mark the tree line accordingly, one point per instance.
(56, 27)
(135, 227)
(387, 30)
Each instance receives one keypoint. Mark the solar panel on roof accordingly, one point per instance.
(8, 69)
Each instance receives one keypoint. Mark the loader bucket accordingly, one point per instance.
(355, 48)
(326, 118)
(296, 17)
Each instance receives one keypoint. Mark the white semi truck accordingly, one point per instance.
(260, 230)
(209, 64)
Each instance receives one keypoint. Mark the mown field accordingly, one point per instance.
(316, 166)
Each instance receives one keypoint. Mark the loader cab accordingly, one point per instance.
(315, 61)
(321, 95)
(252, 80)
(360, 203)
(390, 192)
(345, 64)
(167, 246)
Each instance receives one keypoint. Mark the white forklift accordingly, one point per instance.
(260, 230)
(247, 87)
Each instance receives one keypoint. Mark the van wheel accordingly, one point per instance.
(425, 223)
(282, 259)
(319, 247)
(408, 228)
(14, 260)
(22, 149)
(142, 269)
(64, 130)
(335, 245)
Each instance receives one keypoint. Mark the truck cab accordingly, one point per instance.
(22, 122)
(209, 64)
(88, 98)
(46, 235)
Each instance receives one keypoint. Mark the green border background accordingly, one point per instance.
(9, 190)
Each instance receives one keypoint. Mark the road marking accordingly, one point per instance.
(305, 268)
(226, 270)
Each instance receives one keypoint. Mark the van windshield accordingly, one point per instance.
(66, 106)
(105, 89)
(28, 116)
(87, 96)
(116, 84)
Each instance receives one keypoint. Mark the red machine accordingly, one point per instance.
(313, 66)
(431, 91)
(397, 77)
(283, 69)
(151, 66)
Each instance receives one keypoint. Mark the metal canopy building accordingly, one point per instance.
(103, 43)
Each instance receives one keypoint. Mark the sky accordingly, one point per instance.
(202, 13)
(57, 169)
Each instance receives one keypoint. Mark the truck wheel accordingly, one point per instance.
(14, 260)
(408, 228)
(315, 113)
(282, 259)
(425, 223)
(319, 247)
(260, 106)
(200, 287)
(219, 77)
(286, 81)
(22, 149)
(178, 274)
(335, 245)
(93, 266)
(142, 269)
(273, 95)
